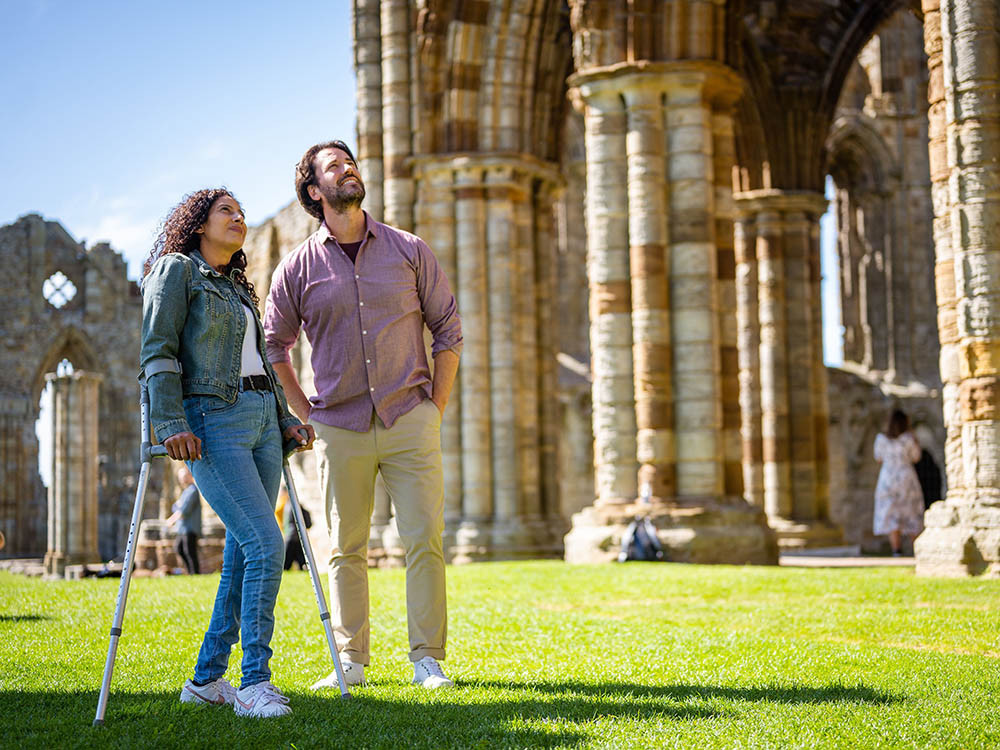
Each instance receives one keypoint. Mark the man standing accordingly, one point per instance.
(187, 517)
(363, 291)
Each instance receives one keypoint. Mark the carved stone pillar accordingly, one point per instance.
(962, 534)
(488, 218)
(435, 216)
(368, 70)
(397, 131)
(749, 339)
(785, 423)
(72, 536)
(22, 503)
(615, 431)
(473, 538)
(653, 178)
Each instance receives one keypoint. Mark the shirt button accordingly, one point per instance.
(362, 304)
(356, 276)
(368, 361)
(372, 390)
(364, 333)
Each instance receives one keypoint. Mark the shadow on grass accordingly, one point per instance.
(23, 618)
(477, 715)
(773, 693)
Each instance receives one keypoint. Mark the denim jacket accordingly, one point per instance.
(193, 314)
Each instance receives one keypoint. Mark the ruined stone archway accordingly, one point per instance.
(62, 299)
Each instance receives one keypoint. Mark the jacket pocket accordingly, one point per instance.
(208, 296)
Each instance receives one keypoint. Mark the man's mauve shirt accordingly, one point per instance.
(364, 321)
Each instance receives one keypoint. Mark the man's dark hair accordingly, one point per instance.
(305, 175)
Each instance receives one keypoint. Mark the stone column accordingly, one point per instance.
(22, 495)
(647, 232)
(473, 537)
(72, 535)
(963, 532)
(820, 401)
(694, 287)
(490, 214)
(368, 69)
(785, 421)
(660, 120)
(435, 216)
(724, 157)
(611, 339)
(397, 130)
(749, 340)
(549, 523)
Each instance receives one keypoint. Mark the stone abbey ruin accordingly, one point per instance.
(626, 197)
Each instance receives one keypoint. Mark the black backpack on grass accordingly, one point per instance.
(640, 542)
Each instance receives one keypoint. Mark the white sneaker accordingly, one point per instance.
(260, 701)
(216, 693)
(354, 675)
(428, 673)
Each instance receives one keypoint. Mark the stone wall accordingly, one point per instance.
(863, 408)
(93, 321)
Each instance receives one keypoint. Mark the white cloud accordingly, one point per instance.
(129, 233)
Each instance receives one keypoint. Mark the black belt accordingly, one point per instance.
(255, 383)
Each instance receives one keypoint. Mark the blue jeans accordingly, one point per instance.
(239, 475)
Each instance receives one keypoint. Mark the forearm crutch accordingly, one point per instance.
(324, 613)
(148, 452)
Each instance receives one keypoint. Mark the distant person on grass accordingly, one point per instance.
(216, 404)
(363, 291)
(186, 518)
(899, 505)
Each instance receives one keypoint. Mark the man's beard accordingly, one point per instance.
(342, 197)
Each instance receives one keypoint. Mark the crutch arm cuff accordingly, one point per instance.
(161, 364)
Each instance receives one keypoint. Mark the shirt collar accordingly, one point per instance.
(371, 229)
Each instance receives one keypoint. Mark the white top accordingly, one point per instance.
(250, 361)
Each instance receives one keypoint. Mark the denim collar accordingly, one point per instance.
(203, 266)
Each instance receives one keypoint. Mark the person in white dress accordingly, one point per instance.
(899, 507)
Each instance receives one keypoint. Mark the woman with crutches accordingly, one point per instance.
(216, 404)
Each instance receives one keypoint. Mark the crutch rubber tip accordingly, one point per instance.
(346, 696)
(98, 722)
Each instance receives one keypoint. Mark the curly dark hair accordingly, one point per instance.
(305, 175)
(179, 234)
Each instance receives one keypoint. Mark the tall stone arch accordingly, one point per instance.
(64, 300)
(882, 204)
(458, 141)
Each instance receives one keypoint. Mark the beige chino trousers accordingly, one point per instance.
(409, 456)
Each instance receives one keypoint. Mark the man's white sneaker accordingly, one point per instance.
(428, 673)
(261, 700)
(354, 675)
(216, 693)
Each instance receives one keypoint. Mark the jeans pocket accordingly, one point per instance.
(213, 404)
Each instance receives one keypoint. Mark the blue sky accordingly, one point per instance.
(113, 110)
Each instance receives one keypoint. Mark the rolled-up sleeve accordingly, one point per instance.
(282, 320)
(164, 313)
(438, 303)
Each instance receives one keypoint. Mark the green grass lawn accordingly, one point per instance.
(544, 654)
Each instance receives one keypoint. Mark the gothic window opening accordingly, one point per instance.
(58, 290)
